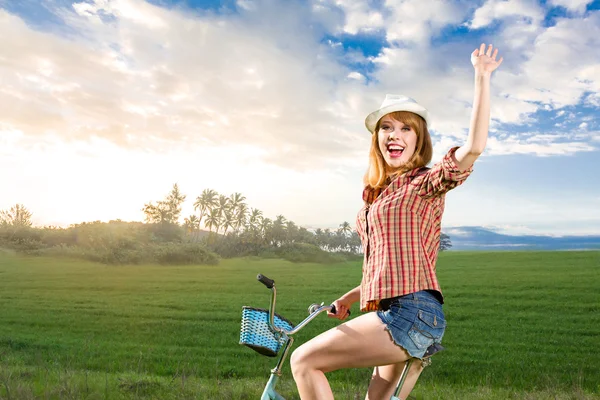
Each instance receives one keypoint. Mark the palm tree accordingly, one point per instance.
(206, 201)
(227, 220)
(327, 238)
(305, 236)
(340, 241)
(236, 199)
(254, 219)
(191, 223)
(212, 220)
(355, 243)
(241, 215)
(291, 231)
(265, 229)
(223, 204)
(345, 228)
(278, 230)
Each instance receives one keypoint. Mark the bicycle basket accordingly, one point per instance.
(255, 332)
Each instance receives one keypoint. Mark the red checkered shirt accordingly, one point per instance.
(400, 228)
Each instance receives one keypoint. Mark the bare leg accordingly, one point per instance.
(385, 379)
(361, 342)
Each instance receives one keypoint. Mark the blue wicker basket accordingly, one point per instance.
(257, 335)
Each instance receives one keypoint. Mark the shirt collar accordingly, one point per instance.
(370, 194)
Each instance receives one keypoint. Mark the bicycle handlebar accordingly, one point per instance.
(265, 281)
(314, 311)
(334, 311)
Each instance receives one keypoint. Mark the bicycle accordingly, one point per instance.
(266, 332)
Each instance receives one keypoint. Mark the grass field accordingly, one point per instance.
(521, 325)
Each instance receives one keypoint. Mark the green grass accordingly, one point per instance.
(522, 325)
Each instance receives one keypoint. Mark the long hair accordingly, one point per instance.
(377, 173)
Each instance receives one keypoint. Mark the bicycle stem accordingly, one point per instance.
(301, 325)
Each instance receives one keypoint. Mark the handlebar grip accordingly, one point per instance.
(265, 281)
(334, 310)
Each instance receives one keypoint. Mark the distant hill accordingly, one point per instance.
(479, 238)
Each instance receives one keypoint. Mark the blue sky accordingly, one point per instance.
(107, 103)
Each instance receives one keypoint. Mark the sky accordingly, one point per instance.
(105, 104)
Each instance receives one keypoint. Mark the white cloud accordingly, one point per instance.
(357, 76)
(246, 4)
(492, 10)
(404, 21)
(561, 67)
(540, 146)
(137, 11)
(576, 6)
(417, 20)
(357, 15)
(592, 100)
(159, 76)
(452, 231)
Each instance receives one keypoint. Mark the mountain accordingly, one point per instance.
(479, 238)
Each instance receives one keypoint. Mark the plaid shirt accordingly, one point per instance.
(400, 227)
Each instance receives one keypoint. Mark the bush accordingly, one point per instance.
(305, 253)
(21, 239)
(165, 232)
(231, 246)
(166, 254)
(183, 253)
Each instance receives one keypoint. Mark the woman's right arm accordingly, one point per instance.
(343, 304)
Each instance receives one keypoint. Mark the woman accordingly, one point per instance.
(400, 227)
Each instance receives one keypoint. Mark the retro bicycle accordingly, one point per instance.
(267, 333)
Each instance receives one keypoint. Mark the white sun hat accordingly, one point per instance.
(395, 102)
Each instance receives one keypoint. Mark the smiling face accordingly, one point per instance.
(400, 143)
(397, 142)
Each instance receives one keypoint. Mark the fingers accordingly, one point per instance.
(490, 53)
(343, 316)
(341, 311)
(481, 51)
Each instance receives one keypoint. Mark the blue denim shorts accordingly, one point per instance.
(415, 321)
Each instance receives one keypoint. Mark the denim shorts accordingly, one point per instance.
(415, 321)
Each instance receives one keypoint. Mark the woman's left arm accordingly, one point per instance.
(484, 62)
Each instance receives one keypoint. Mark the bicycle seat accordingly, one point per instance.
(434, 348)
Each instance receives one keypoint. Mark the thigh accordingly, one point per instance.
(360, 342)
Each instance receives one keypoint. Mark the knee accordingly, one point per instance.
(300, 361)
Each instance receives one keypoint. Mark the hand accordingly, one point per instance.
(483, 61)
(342, 309)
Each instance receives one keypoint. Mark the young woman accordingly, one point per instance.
(400, 226)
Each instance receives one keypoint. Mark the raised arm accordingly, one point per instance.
(484, 62)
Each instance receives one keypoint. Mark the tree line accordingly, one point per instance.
(231, 229)
(231, 216)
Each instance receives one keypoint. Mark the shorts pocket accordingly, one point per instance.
(427, 329)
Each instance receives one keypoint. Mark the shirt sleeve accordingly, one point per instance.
(441, 178)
